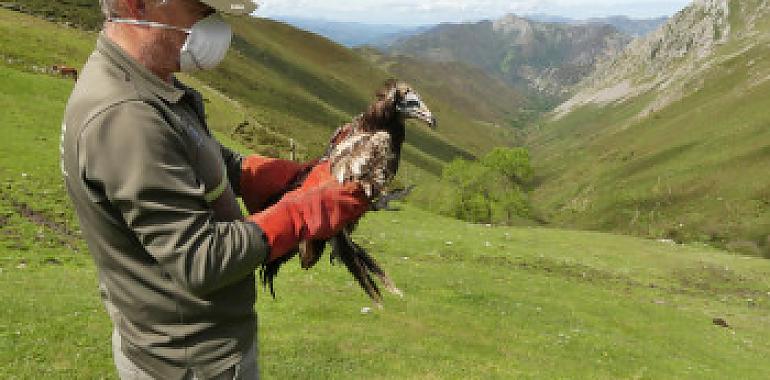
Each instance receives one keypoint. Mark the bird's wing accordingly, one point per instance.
(365, 158)
(339, 136)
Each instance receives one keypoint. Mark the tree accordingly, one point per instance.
(513, 163)
(489, 190)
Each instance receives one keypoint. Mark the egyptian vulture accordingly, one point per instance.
(366, 150)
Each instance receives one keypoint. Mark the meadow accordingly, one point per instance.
(481, 302)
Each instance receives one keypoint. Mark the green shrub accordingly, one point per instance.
(491, 190)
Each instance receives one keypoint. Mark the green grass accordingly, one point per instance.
(480, 302)
(28, 41)
(81, 13)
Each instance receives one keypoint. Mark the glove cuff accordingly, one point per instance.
(283, 229)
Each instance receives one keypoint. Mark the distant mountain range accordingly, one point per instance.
(540, 55)
(352, 34)
(545, 59)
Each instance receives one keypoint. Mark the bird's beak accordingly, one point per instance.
(426, 116)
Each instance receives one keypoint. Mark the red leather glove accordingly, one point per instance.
(319, 176)
(310, 214)
(263, 178)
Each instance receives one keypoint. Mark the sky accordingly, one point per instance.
(435, 11)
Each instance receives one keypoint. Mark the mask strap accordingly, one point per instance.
(149, 24)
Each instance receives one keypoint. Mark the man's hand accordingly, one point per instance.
(264, 178)
(310, 214)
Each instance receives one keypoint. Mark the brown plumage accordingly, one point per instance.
(366, 150)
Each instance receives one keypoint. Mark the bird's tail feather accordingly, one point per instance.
(347, 253)
(373, 267)
(269, 271)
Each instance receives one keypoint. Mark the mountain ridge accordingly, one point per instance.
(544, 58)
(655, 62)
(669, 140)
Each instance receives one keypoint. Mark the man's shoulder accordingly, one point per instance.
(101, 86)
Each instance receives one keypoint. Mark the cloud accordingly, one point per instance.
(417, 11)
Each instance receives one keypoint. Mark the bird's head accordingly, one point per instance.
(408, 103)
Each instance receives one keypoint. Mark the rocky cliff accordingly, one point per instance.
(664, 61)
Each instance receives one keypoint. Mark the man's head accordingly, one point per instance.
(235, 7)
(154, 31)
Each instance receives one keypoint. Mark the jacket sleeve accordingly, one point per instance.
(143, 167)
(233, 162)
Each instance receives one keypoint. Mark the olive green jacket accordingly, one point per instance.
(150, 186)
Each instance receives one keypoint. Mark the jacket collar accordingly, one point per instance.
(137, 72)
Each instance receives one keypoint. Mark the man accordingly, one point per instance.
(156, 196)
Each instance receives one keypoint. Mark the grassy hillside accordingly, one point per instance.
(692, 170)
(80, 13)
(480, 302)
(276, 84)
(294, 84)
(304, 86)
(470, 91)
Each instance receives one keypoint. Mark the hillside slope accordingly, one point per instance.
(545, 57)
(670, 139)
(305, 86)
(470, 91)
(480, 302)
(277, 84)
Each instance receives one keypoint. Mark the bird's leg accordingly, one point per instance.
(310, 252)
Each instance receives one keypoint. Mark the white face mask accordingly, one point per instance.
(207, 41)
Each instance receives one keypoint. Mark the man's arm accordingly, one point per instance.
(233, 163)
(143, 167)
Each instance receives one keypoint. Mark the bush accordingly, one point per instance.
(491, 190)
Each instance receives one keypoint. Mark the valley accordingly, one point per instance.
(646, 258)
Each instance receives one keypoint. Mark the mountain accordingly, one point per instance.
(669, 139)
(632, 27)
(625, 24)
(545, 57)
(352, 34)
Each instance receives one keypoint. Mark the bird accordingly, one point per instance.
(366, 150)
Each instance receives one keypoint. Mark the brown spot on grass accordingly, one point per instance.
(66, 237)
